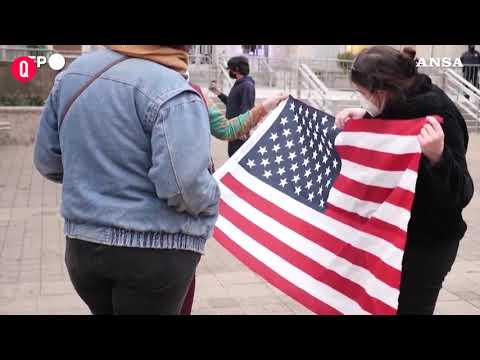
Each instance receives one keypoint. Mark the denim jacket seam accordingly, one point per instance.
(177, 180)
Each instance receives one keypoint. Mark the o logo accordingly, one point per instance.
(23, 69)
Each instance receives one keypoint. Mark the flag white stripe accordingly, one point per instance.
(393, 144)
(373, 286)
(289, 272)
(382, 178)
(393, 215)
(386, 212)
(379, 247)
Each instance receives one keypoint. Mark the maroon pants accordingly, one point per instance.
(188, 302)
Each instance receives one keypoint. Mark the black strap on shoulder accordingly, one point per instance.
(86, 85)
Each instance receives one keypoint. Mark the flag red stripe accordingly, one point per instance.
(376, 227)
(329, 277)
(398, 196)
(359, 257)
(379, 159)
(307, 300)
(393, 127)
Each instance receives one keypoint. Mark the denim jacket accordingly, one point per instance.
(132, 153)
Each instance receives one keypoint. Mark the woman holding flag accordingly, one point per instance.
(389, 87)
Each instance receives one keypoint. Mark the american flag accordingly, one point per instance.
(323, 214)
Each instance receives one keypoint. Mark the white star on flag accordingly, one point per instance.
(262, 150)
(292, 155)
(283, 121)
(276, 147)
(251, 163)
(267, 174)
(273, 137)
(281, 171)
(265, 162)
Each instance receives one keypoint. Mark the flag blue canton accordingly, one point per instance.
(297, 154)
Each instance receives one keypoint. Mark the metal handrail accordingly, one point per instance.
(463, 81)
(316, 81)
(458, 86)
(221, 64)
(10, 53)
(317, 91)
(270, 71)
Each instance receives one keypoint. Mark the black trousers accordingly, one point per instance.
(129, 281)
(234, 145)
(423, 272)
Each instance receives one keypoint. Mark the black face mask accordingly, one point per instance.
(232, 74)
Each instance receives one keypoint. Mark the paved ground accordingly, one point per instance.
(34, 280)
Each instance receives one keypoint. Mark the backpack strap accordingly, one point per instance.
(86, 85)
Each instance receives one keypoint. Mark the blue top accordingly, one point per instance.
(133, 155)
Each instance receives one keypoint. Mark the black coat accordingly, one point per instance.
(442, 190)
(240, 99)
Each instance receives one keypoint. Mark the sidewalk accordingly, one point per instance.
(34, 280)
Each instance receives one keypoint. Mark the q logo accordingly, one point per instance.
(23, 69)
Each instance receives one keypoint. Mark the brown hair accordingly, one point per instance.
(384, 68)
(410, 52)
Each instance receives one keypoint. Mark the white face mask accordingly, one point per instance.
(371, 108)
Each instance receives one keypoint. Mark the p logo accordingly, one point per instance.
(23, 69)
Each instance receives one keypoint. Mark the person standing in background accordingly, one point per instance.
(241, 97)
(471, 63)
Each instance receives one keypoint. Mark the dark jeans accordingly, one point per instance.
(234, 145)
(423, 272)
(121, 280)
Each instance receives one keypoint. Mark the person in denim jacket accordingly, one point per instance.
(132, 153)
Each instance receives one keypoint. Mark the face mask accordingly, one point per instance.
(371, 108)
(231, 74)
